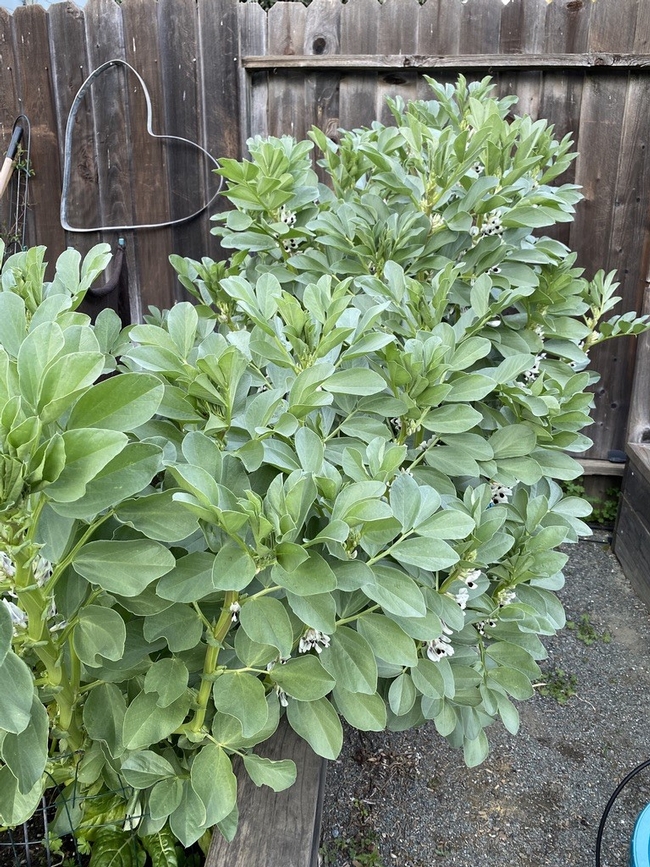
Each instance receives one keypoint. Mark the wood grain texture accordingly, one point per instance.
(638, 422)
(220, 98)
(150, 156)
(35, 88)
(254, 88)
(358, 91)
(286, 35)
(396, 34)
(632, 533)
(10, 107)
(322, 37)
(277, 830)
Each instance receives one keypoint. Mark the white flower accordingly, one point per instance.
(494, 323)
(7, 567)
(287, 217)
(492, 224)
(505, 597)
(284, 699)
(42, 570)
(18, 616)
(462, 597)
(532, 374)
(313, 639)
(471, 578)
(438, 648)
(234, 609)
(500, 493)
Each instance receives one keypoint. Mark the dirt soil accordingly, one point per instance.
(408, 800)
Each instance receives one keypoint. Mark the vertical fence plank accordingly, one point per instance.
(358, 89)
(10, 107)
(396, 34)
(149, 155)
(322, 36)
(110, 105)
(253, 40)
(286, 33)
(185, 165)
(69, 70)
(220, 96)
(33, 50)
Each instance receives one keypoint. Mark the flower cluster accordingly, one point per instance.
(313, 639)
(438, 648)
(500, 493)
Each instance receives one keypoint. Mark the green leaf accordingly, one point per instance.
(113, 848)
(26, 753)
(64, 379)
(190, 579)
(15, 807)
(364, 712)
(158, 516)
(466, 387)
(557, 465)
(318, 723)
(396, 592)
(452, 419)
(428, 678)
(226, 729)
(188, 819)
(125, 475)
(103, 716)
(123, 567)
(405, 500)
(513, 441)
(243, 696)
(146, 723)
(99, 634)
(387, 640)
(447, 524)
(120, 403)
(214, 782)
(351, 661)
(164, 797)
(17, 690)
(278, 775)
(144, 768)
(356, 381)
(401, 695)
(431, 554)
(86, 453)
(12, 322)
(475, 751)
(179, 625)
(168, 679)
(161, 848)
(37, 351)
(266, 621)
(312, 576)
(317, 611)
(515, 683)
(303, 678)
(6, 627)
(233, 568)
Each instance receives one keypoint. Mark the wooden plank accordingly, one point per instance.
(523, 27)
(70, 68)
(599, 142)
(592, 467)
(149, 155)
(357, 91)
(10, 107)
(631, 542)
(220, 98)
(612, 25)
(33, 55)
(110, 106)
(396, 33)
(567, 26)
(185, 165)
(253, 39)
(638, 430)
(277, 830)
(480, 26)
(322, 36)
(286, 35)
(373, 61)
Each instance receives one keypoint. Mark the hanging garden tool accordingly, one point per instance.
(17, 165)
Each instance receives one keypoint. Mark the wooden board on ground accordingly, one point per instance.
(632, 534)
(277, 830)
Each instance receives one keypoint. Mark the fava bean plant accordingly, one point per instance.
(330, 488)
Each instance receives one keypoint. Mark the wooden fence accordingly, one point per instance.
(220, 70)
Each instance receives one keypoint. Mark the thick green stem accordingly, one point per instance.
(210, 663)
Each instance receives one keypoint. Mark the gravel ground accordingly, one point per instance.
(408, 800)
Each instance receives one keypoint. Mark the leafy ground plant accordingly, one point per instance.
(329, 489)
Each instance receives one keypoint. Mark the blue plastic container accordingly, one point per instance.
(640, 847)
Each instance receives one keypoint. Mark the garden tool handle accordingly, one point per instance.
(8, 164)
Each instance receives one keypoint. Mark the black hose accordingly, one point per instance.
(610, 804)
(114, 279)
